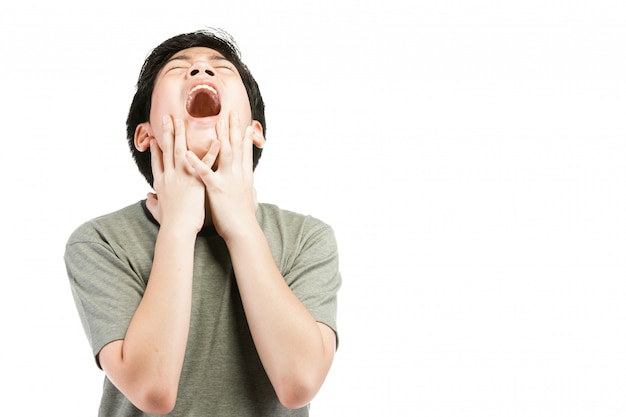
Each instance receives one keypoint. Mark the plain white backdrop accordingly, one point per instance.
(471, 156)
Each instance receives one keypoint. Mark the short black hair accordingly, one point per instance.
(139, 112)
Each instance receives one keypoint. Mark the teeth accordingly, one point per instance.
(203, 86)
(203, 101)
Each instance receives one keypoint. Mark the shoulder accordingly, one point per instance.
(275, 219)
(119, 241)
(295, 233)
(115, 225)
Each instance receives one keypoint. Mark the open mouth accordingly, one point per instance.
(203, 101)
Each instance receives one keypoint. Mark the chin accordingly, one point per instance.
(198, 138)
(199, 126)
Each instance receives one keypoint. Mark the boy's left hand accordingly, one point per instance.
(230, 187)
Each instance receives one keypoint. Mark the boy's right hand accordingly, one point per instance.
(180, 196)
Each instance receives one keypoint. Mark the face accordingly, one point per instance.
(197, 85)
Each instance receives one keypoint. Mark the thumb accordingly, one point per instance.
(152, 202)
(254, 196)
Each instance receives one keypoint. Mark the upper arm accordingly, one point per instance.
(109, 357)
(329, 338)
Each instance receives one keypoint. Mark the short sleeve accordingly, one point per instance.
(105, 287)
(314, 275)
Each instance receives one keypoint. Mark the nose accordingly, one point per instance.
(200, 68)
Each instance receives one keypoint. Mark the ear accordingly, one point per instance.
(143, 135)
(258, 139)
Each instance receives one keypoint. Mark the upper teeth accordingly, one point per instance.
(207, 87)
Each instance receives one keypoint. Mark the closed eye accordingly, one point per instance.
(226, 67)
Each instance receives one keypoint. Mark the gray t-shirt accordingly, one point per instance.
(108, 262)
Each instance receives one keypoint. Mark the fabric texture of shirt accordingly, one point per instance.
(108, 262)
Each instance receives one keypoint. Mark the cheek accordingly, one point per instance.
(165, 101)
(156, 108)
(245, 113)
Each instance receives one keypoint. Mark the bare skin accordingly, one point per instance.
(295, 350)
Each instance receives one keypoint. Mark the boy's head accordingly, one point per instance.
(220, 78)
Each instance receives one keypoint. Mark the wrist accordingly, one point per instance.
(179, 229)
(243, 231)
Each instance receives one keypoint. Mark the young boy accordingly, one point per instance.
(198, 300)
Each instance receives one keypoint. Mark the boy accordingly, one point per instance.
(198, 300)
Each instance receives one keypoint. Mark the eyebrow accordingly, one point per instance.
(183, 57)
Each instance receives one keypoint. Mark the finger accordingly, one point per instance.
(202, 168)
(199, 168)
(156, 158)
(211, 155)
(213, 132)
(167, 143)
(224, 138)
(152, 202)
(212, 139)
(180, 144)
(235, 137)
(247, 144)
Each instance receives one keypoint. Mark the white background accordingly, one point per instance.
(471, 156)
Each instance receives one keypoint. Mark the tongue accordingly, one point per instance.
(203, 104)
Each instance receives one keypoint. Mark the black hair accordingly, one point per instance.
(139, 111)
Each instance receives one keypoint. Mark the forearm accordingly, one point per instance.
(146, 365)
(294, 350)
